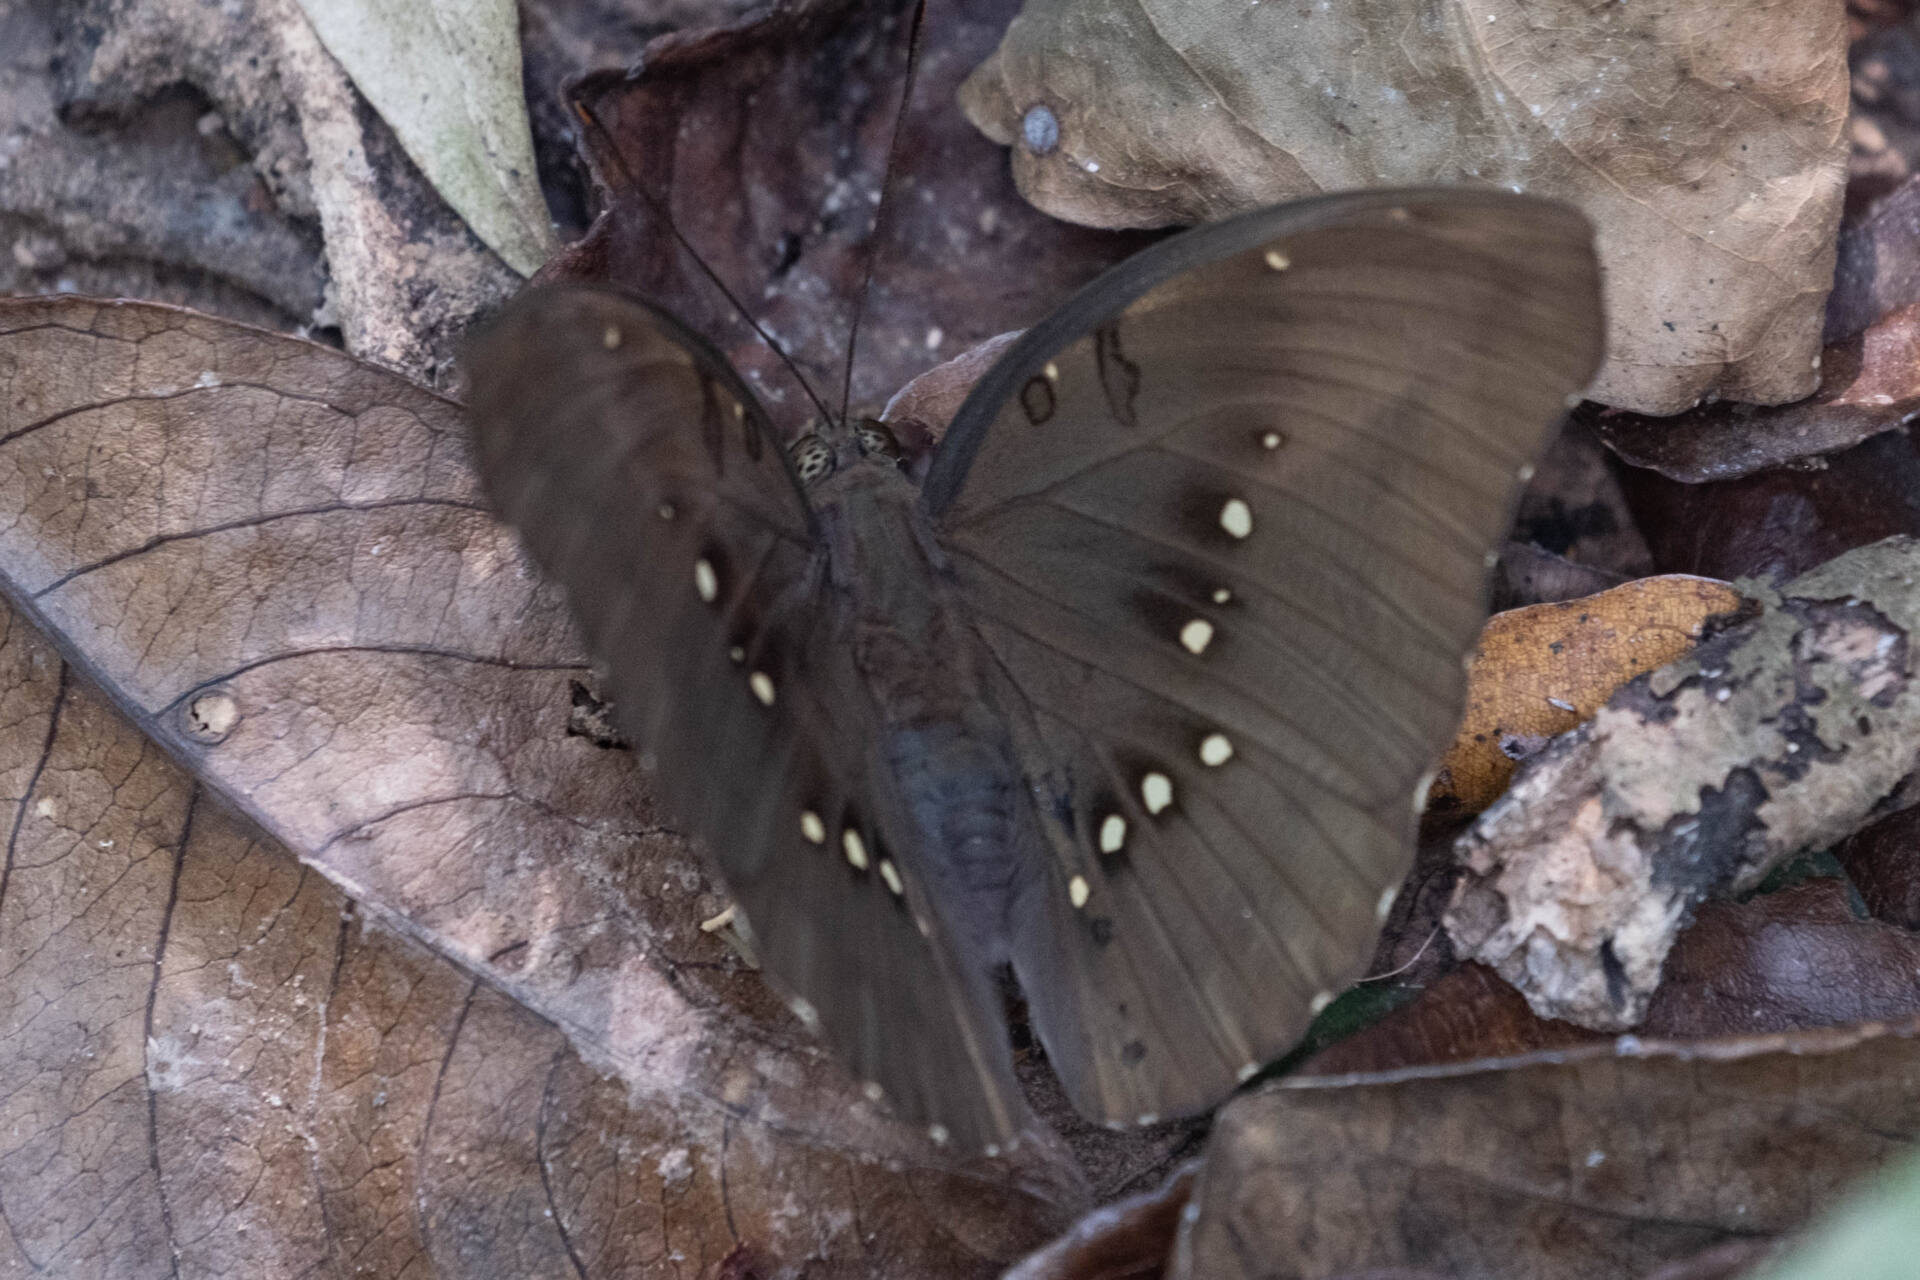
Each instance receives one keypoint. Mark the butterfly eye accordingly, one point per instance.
(878, 438)
(812, 458)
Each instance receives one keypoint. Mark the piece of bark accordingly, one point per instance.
(1784, 734)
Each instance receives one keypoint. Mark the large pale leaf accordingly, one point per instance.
(1705, 143)
(445, 74)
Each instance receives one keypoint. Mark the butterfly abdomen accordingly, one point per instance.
(961, 788)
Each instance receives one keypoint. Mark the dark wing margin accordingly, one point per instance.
(646, 479)
(1225, 522)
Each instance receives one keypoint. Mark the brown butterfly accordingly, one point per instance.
(1136, 693)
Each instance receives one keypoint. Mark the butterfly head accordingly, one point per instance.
(861, 442)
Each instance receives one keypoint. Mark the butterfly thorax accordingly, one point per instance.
(925, 669)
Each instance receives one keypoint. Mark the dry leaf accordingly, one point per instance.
(1591, 1166)
(1778, 524)
(1541, 670)
(1781, 735)
(767, 140)
(1869, 383)
(445, 75)
(213, 1065)
(1707, 146)
(276, 561)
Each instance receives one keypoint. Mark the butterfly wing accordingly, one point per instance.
(1225, 522)
(645, 478)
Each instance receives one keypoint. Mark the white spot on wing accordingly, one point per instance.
(1319, 1003)
(1278, 260)
(1272, 440)
(1078, 892)
(1215, 750)
(873, 1091)
(1221, 595)
(939, 1134)
(856, 848)
(1236, 517)
(1385, 904)
(610, 337)
(1196, 636)
(812, 828)
(1247, 1071)
(1156, 791)
(762, 686)
(1420, 790)
(892, 877)
(1113, 833)
(707, 583)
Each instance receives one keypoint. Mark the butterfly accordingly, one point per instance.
(1136, 693)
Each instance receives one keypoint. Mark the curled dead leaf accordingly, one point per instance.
(1540, 670)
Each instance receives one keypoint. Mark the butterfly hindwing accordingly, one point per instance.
(644, 477)
(1225, 522)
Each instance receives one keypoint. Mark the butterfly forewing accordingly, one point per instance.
(1225, 522)
(643, 476)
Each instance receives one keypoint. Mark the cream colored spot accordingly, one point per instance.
(1319, 1003)
(1113, 833)
(739, 411)
(1490, 559)
(808, 1015)
(1221, 595)
(1420, 790)
(1196, 636)
(939, 1134)
(1052, 371)
(1215, 750)
(1236, 518)
(1272, 440)
(610, 337)
(707, 583)
(1525, 473)
(762, 685)
(1156, 791)
(1247, 1071)
(892, 877)
(738, 655)
(1385, 904)
(1278, 260)
(856, 848)
(1398, 215)
(812, 828)
(873, 1091)
(1078, 892)
(666, 511)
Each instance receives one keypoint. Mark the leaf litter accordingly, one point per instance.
(592, 958)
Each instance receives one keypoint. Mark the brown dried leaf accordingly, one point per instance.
(1591, 1166)
(1781, 735)
(766, 140)
(214, 1066)
(1781, 523)
(275, 560)
(1708, 149)
(1541, 670)
(1869, 383)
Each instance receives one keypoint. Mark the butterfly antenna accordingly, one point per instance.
(874, 241)
(659, 210)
